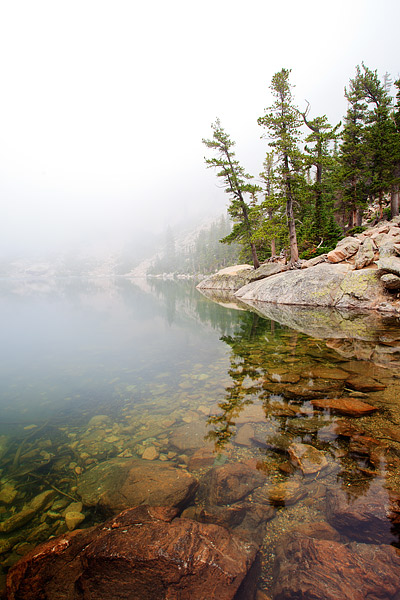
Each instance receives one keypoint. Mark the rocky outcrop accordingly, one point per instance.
(323, 285)
(117, 484)
(144, 553)
(233, 278)
(362, 272)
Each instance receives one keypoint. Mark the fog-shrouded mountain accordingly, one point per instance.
(186, 248)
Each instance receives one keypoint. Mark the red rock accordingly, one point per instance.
(118, 484)
(203, 457)
(143, 554)
(307, 458)
(372, 516)
(231, 483)
(191, 436)
(351, 407)
(364, 384)
(314, 569)
(245, 435)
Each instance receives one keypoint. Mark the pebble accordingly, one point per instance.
(73, 519)
(151, 453)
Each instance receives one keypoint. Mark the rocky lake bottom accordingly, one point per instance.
(289, 441)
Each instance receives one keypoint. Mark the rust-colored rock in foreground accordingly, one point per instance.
(315, 569)
(351, 407)
(144, 553)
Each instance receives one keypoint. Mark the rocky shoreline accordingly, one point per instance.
(362, 272)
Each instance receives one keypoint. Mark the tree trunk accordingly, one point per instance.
(318, 198)
(395, 201)
(380, 205)
(273, 248)
(359, 214)
(256, 262)
(294, 251)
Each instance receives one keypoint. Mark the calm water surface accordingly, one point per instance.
(92, 370)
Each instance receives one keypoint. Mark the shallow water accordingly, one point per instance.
(93, 370)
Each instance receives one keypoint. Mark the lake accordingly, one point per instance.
(306, 401)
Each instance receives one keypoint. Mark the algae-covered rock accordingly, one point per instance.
(317, 286)
(323, 285)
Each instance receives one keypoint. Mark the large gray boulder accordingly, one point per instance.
(233, 278)
(323, 285)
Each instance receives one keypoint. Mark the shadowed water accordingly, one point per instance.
(93, 370)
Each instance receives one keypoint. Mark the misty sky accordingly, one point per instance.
(103, 104)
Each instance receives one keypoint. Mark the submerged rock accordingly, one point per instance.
(307, 458)
(118, 484)
(286, 493)
(351, 407)
(324, 569)
(371, 515)
(144, 553)
(231, 483)
(190, 436)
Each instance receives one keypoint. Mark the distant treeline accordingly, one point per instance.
(203, 254)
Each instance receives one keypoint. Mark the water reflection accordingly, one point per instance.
(101, 371)
(298, 402)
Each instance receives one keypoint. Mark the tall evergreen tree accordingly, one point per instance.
(381, 132)
(282, 121)
(355, 173)
(272, 224)
(395, 190)
(320, 157)
(238, 186)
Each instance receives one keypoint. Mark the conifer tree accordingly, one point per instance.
(320, 157)
(238, 186)
(282, 121)
(381, 132)
(395, 189)
(272, 223)
(355, 173)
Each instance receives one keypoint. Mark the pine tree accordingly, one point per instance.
(381, 132)
(282, 122)
(395, 189)
(320, 157)
(355, 173)
(237, 185)
(272, 224)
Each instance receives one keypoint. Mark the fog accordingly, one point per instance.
(104, 104)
